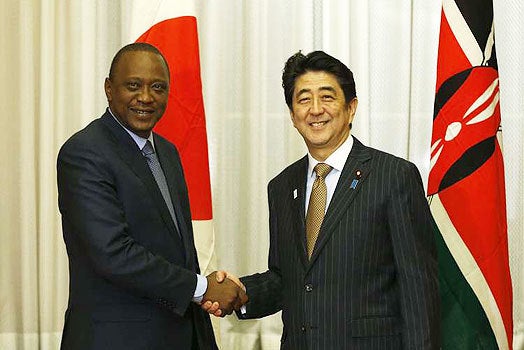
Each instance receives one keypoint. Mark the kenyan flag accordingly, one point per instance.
(466, 182)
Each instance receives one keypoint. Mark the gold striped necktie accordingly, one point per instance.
(317, 206)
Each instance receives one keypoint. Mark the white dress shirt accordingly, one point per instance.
(336, 160)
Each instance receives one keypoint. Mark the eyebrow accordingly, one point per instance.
(154, 81)
(322, 88)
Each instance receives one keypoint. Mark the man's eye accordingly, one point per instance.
(133, 85)
(159, 87)
(303, 100)
(328, 98)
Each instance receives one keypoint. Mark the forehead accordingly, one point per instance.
(315, 81)
(141, 63)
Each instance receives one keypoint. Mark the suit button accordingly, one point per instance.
(303, 328)
(309, 287)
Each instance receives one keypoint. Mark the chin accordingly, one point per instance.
(319, 142)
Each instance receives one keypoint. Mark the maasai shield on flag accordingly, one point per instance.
(171, 26)
(466, 182)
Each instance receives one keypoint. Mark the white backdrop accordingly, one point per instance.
(56, 53)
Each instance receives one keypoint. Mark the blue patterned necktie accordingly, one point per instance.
(158, 174)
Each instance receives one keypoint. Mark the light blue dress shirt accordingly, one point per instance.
(201, 286)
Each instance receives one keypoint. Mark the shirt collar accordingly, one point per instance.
(336, 160)
(140, 141)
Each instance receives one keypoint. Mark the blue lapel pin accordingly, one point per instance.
(354, 183)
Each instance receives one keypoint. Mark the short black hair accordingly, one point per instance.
(316, 61)
(134, 47)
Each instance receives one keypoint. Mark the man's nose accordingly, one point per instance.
(316, 107)
(145, 95)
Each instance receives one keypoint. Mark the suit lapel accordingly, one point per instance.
(131, 155)
(298, 183)
(356, 168)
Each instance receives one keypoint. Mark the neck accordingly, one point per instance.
(323, 153)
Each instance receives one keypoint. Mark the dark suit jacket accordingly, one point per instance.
(372, 281)
(132, 274)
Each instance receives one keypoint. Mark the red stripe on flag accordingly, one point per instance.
(472, 208)
(184, 121)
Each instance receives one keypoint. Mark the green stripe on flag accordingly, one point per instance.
(464, 323)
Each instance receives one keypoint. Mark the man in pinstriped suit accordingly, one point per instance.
(371, 281)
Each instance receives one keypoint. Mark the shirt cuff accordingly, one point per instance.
(200, 289)
(243, 308)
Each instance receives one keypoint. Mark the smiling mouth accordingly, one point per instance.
(142, 113)
(318, 124)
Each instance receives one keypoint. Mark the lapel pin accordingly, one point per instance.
(295, 193)
(354, 183)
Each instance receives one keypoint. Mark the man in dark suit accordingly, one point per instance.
(358, 270)
(134, 276)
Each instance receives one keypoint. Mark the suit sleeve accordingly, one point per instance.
(95, 221)
(265, 289)
(412, 233)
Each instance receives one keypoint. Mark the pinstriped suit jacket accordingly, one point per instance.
(372, 281)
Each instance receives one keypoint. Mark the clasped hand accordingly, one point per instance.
(224, 294)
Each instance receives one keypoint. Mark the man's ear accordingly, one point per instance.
(108, 90)
(292, 116)
(352, 109)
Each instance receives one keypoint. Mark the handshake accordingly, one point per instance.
(224, 294)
